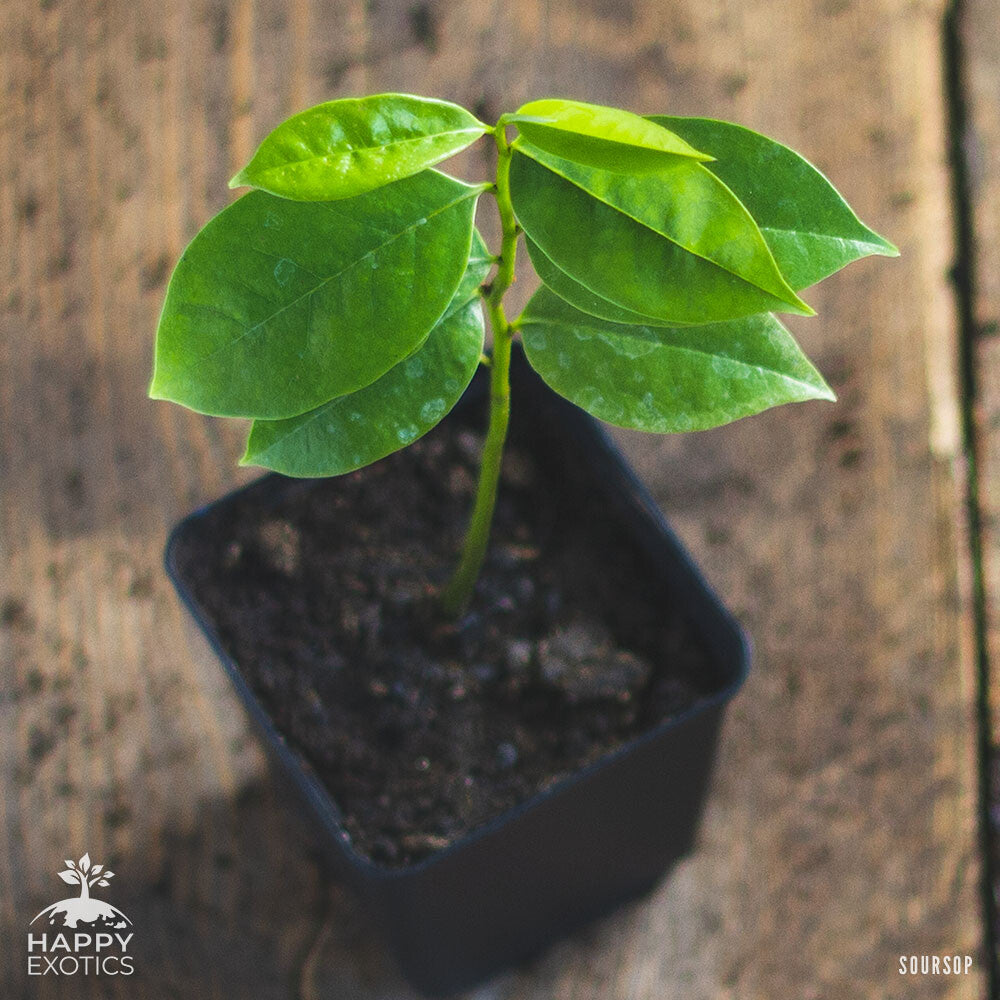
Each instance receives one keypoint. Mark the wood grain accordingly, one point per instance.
(841, 829)
(980, 145)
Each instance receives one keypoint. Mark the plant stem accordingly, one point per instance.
(458, 593)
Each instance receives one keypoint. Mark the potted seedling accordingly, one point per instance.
(502, 748)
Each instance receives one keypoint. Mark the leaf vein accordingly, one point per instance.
(249, 331)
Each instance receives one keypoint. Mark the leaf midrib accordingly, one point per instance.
(824, 236)
(576, 328)
(665, 236)
(326, 157)
(312, 291)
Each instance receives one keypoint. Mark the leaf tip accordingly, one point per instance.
(155, 390)
(239, 180)
(879, 245)
(819, 389)
(160, 383)
(249, 456)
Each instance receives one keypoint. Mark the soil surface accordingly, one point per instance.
(424, 729)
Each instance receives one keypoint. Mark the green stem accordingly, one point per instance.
(458, 593)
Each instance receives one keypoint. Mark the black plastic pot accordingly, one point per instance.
(589, 843)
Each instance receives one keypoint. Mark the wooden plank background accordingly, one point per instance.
(841, 831)
(979, 89)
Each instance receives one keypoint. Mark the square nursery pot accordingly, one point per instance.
(590, 841)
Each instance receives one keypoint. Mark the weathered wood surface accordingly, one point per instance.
(980, 41)
(841, 829)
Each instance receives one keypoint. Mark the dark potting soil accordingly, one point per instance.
(424, 729)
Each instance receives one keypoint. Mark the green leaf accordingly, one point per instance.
(344, 148)
(686, 203)
(653, 379)
(355, 430)
(579, 295)
(811, 230)
(277, 306)
(600, 136)
(477, 267)
(622, 260)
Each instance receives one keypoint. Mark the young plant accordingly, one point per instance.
(339, 304)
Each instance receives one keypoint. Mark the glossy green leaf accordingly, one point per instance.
(686, 203)
(477, 267)
(277, 306)
(600, 136)
(344, 148)
(811, 230)
(624, 261)
(579, 295)
(407, 401)
(654, 379)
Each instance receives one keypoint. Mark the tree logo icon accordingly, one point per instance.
(84, 909)
(81, 934)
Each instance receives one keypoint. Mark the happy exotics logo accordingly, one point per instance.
(81, 934)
